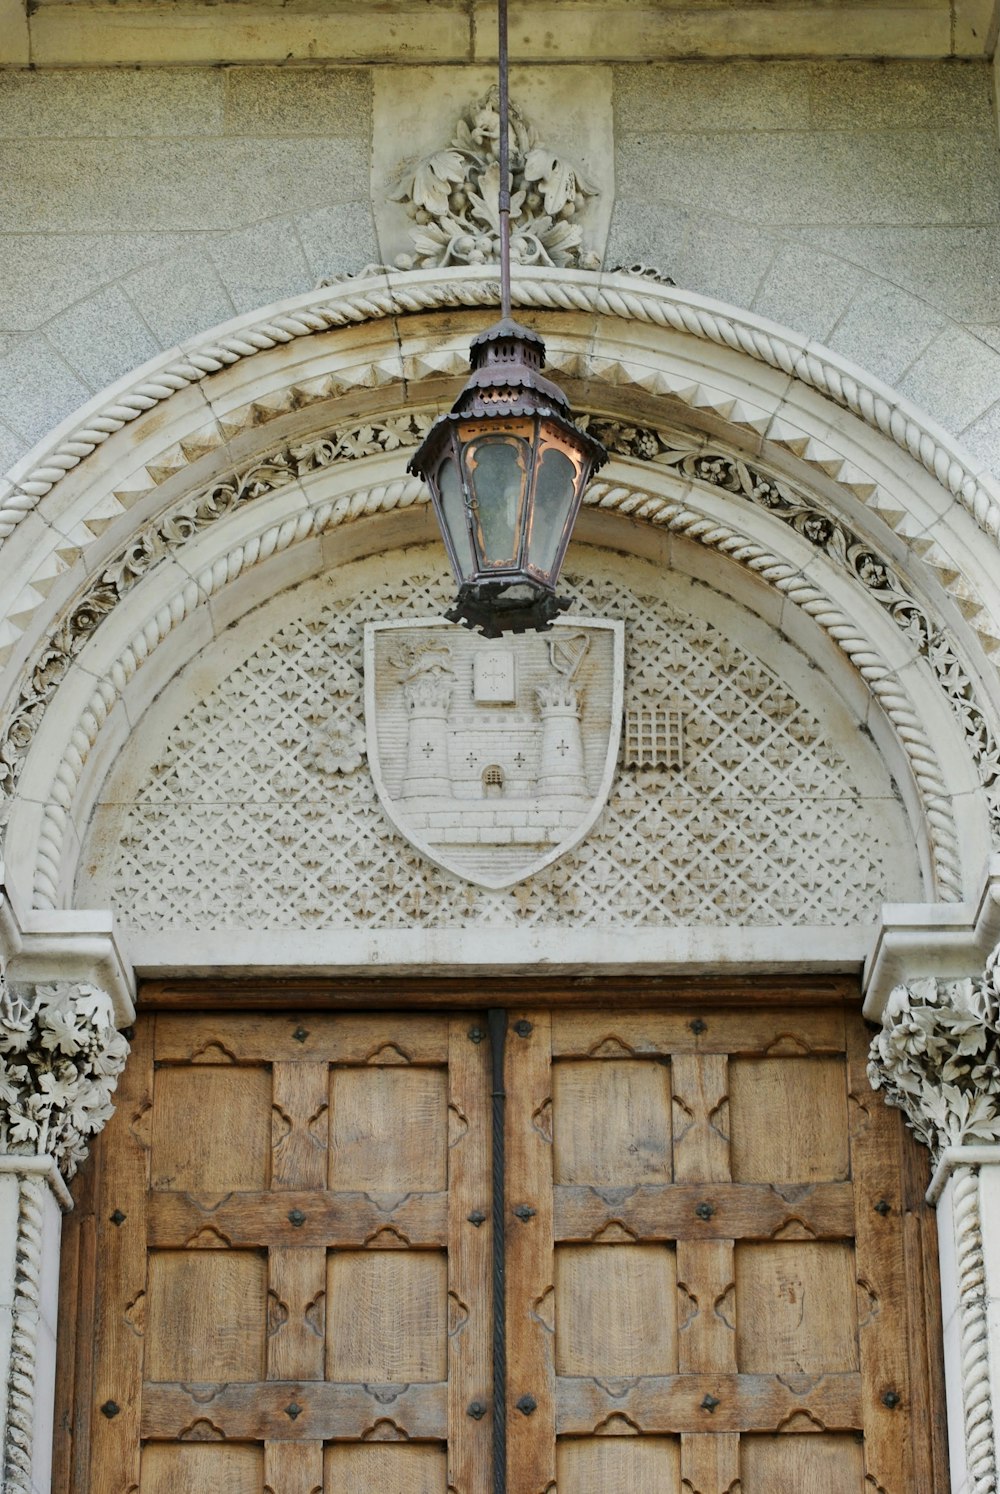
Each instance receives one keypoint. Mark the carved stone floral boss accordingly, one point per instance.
(60, 1058)
(452, 198)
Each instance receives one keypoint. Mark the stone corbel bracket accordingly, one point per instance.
(39, 947)
(948, 941)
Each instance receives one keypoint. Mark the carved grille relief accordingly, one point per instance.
(260, 809)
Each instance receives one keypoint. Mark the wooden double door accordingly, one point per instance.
(716, 1267)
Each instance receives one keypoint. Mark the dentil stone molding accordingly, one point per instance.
(617, 295)
(937, 1058)
(60, 1058)
(605, 362)
(712, 466)
(452, 198)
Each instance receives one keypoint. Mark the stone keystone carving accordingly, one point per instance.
(60, 1057)
(937, 1058)
(452, 198)
(493, 760)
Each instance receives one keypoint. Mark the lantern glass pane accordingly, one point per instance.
(555, 488)
(497, 467)
(455, 516)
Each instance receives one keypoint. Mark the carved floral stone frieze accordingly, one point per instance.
(937, 1058)
(60, 1058)
(451, 197)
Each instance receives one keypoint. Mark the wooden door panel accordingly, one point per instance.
(613, 1123)
(296, 1312)
(712, 1226)
(293, 1468)
(300, 1105)
(389, 1131)
(615, 1310)
(596, 1465)
(824, 1464)
(303, 1311)
(211, 1128)
(387, 1468)
(796, 1310)
(788, 1119)
(387, 1316)
(723, 1284)
(206, 1315)
(200, 1467)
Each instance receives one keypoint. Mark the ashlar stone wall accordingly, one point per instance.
(858, 202)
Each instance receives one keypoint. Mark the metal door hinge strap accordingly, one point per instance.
(497, 1023)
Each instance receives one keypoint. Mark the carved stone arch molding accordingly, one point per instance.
(133, 534)
(158, 542)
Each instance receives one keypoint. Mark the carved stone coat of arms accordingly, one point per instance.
(493, 759)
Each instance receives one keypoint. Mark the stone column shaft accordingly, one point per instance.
(60, 1056)
(937, 1059)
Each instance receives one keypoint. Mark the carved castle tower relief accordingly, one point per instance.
(507, 753)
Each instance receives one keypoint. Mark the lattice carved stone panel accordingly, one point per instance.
(257, 807)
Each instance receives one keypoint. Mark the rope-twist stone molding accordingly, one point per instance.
(620, 297)
(19, 1431)
(977, 1394)
(408, 491)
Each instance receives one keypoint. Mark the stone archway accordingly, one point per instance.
(273, 452)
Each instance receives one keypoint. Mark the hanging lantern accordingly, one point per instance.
(506, 470)
(507, 467)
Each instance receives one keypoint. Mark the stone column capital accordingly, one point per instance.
(937, 1058)
(60, 1058)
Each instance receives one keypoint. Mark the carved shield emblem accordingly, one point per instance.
(493, 759)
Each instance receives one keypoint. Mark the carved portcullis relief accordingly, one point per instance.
(435, 167)
(493, 759)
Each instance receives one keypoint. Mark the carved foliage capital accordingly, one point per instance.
(60, 1058)
(937, 1058)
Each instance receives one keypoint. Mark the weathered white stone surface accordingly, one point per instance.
(232, 812)
(67, 33)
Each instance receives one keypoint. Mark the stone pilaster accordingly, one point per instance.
(60, 1057)
(937, 1059)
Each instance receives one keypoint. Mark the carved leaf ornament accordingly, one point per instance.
(60, 1058)
(937, 1058)
(452, 198)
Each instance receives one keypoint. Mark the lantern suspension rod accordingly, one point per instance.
(504, 203)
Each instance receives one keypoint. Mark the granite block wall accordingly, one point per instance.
(856, 202)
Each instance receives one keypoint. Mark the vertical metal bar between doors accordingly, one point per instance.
(497, 1021)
